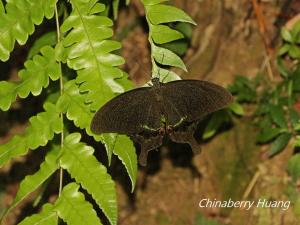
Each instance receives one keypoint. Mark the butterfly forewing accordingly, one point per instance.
(128, 113)
(192, 99)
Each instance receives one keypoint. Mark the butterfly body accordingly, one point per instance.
(148, 114)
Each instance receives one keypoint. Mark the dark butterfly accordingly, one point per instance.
(147, 114)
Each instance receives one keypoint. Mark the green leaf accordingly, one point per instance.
(179, 47)
(46, 217)
(162, 34)
(295, 75)
(79, 161)
(294, 52)
(164, 75)
(125, 151)
(286, 35)
(34, 78)
(217, 119)
(153, 2)
(109, 141)
(244, 89)
(277, 115)
(32, 182)
(1, 7)
(294, 117)
(284, 49)
(279, 144)
(115, 5)
(185, 28)
(267, 134)
(293, 167)
(74, 209)
(46, 39)
(19, 20)
(297, 141)
(296, 31)
(236, 108)
(125, 82)
(42, 128)
(158, 14)
(281, 67)
(166, 57)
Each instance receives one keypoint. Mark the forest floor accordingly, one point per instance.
(226, 42)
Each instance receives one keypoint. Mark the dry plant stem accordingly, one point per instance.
(268, 66)
(61, 87)
(263, 32)
(251, 184)
(289, 25)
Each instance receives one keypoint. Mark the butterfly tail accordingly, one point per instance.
(186, 136)
(147, 144)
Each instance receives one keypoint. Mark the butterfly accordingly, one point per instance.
(148, 114)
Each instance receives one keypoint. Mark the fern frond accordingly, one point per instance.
(125, 151)
(158, 16)
(42, 128)
(73, 209)
(79, 161)
(89, 52)
(47, 216)
(34, 77)
(19, 20)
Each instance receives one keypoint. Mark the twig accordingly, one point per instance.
(251, 184)
(263, 32)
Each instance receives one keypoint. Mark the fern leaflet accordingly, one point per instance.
(19, 20)
(42, 128)
(73, 209)
(34, 77)
(79, 161)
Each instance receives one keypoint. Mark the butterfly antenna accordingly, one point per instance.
(162, 59)
(158, 73)
(165, 76)
(138, 66)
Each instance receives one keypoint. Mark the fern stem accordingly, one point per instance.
(61, 87)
